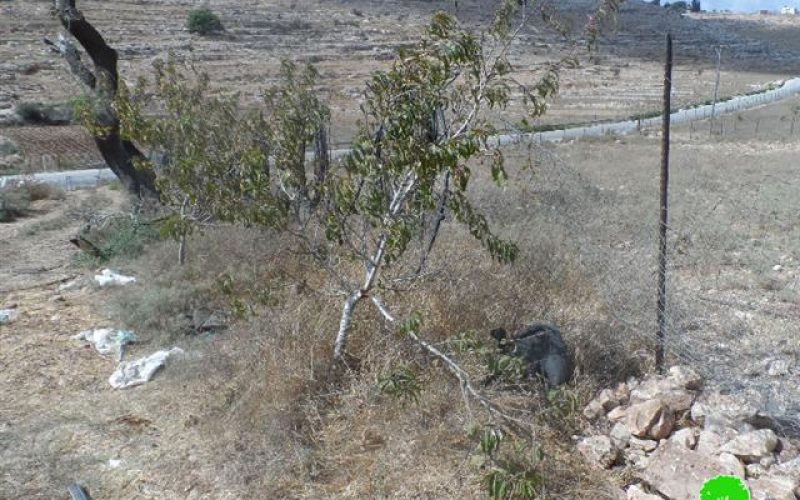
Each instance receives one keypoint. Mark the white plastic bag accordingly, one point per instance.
(107, 340)
(7, 316)
(109, 277)
(140, 371)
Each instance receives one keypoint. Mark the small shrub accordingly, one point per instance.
(15, 200)
(203, 22)
(401, 384)
(44, 114)
(14, 203)
(122, 238)
(43, 191)
(510, 471)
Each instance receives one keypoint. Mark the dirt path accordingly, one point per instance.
(60, 421)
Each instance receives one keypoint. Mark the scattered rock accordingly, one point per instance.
(618, 414)
(685, 377)
(620, 435)
(675, 397)
(727, 409)
(709, 442)
(650, 419)
(732, 464)
(663, 427)
(752, 446)
(686, 437)
(772, 488)
(646, 445)
(607, 399)
(599, 450)
(679, 473)
(622, 392)
(790, 468)
(732, 438)
(755, 470)
(593, 410)
(635, 457)
(788, 451)
(635, 492)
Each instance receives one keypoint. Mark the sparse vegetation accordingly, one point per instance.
(203, 22)
(278, 241)
(14, 203)
(44, 114)
(119, 239)
(511, 468)
(16, 199)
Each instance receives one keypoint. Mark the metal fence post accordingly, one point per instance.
(662, 235)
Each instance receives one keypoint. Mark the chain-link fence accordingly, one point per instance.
(733, 278)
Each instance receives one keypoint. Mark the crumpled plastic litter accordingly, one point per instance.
(109, 277)
(108, 340)
(7, 315)
(68, 285)
(142, 370)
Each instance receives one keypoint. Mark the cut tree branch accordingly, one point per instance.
(459, 374)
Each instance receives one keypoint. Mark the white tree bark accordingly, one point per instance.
(344, 324)
(373, 265)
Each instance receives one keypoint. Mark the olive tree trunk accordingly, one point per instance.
(120, 155)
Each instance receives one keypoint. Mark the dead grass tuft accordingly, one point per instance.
(292, 427)
(15, 200)
(268, 416)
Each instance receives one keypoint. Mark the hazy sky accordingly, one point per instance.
(747, 5)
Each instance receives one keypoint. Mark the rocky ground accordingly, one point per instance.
(672, 437)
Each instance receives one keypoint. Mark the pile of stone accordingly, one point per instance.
(673, 437)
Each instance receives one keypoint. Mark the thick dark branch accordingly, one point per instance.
(322, 162)
(437, 224)
(121, 156)
(73, 58)
(104, 57)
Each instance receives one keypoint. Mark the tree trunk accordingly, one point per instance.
(120, 155)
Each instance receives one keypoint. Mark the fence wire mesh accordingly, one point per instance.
(733, 278)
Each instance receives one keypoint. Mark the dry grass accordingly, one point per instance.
(272, 418)
(15, 200)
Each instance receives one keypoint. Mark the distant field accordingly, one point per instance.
(348, 40)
